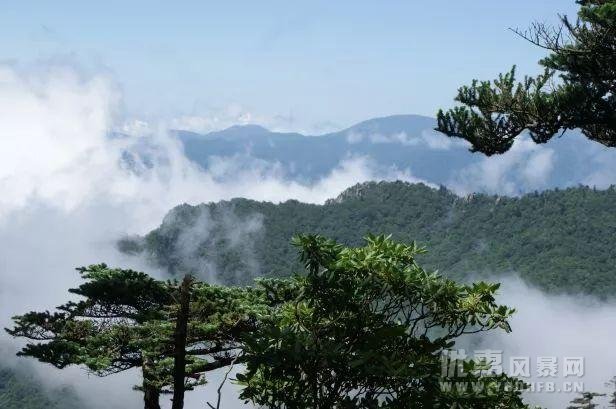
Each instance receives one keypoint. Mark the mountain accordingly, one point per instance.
(558, 240)
(408, 142)
(21, 389)
(312, 157)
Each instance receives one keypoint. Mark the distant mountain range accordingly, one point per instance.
(408, 142)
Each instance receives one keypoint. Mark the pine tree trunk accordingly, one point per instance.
(151, 397)
(151, 394)
(180, 335)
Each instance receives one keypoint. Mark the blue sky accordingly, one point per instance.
(317, 64)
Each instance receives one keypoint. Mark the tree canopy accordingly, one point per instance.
(576, 90)
(362, 327)
(559, 241)
(367, 330)
(126, 319)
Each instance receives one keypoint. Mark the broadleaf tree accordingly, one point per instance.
(368, 329)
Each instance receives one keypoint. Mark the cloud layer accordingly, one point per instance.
(558, 326)
(75, 178)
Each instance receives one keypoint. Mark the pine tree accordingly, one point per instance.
(577, 89)
(180, 337)
(174, 332)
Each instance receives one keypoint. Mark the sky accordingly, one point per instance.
(294, 65)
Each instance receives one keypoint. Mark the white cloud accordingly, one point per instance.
(255, 183)
(437, 141)
(537, 169)
(603, 172)
(54, 135)
(558, 326)
(525, 167)
(402, 138)
(217, 118)
(70, 188)
(429, 138)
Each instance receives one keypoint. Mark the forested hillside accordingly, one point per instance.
(560, 241)
(20, 389)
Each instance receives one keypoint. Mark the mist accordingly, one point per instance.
(76, 176)
(561, 326)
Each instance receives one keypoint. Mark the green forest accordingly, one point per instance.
(557, 240)
(20, 388)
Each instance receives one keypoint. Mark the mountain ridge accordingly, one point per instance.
(396, 122)
(409, 144)
(476, 235)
